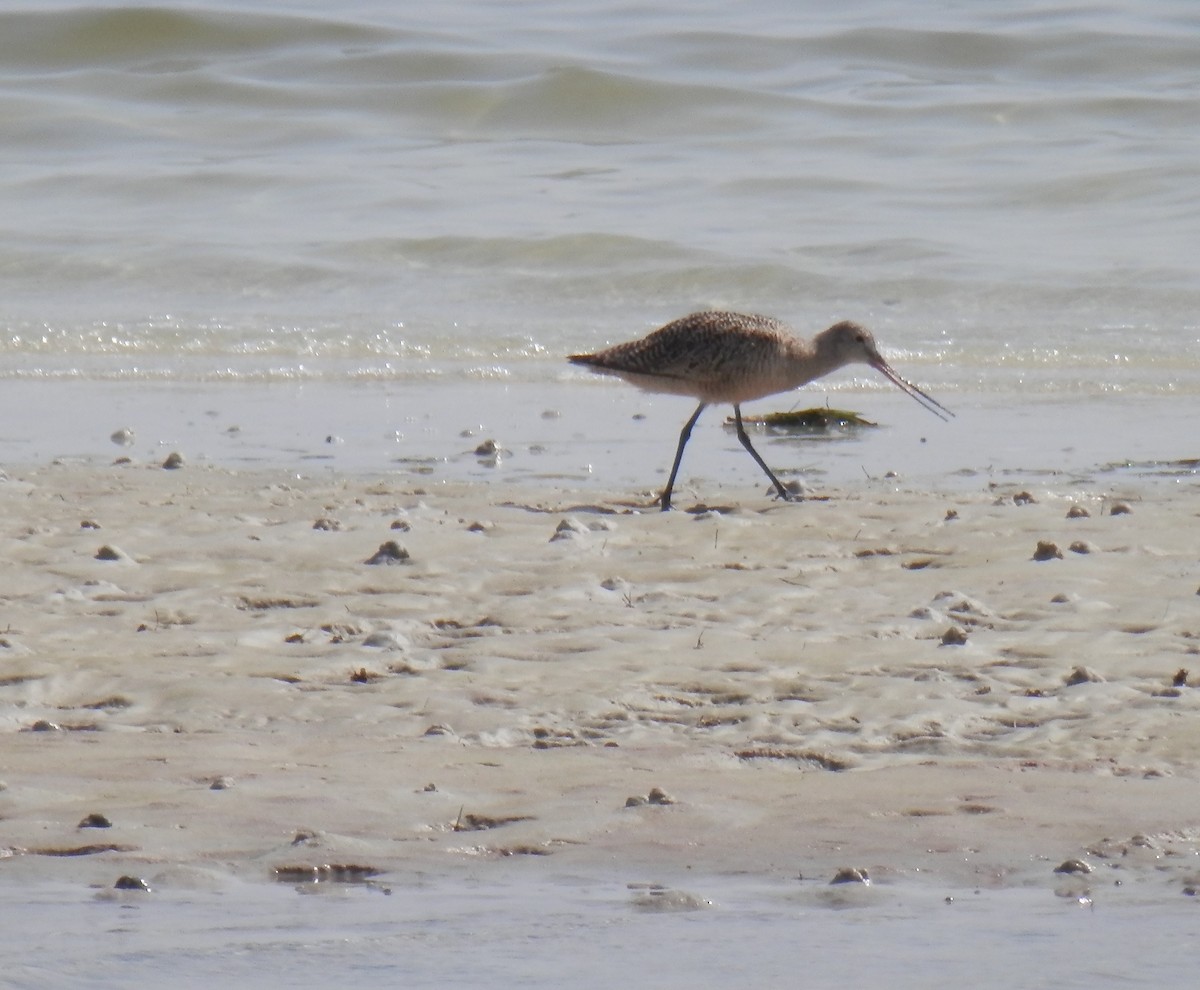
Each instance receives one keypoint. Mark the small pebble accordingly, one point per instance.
(1081, 546)
(489, 448)
(1180, 678)
(1119, 509)
(1023, 498)
(653, 897)
(656, 796)
(1082, 675)
(389, 553)
(954, 636)
(94, 821)
(327, 525)
(402, 525)
(1073, 866)
(109, 552)
(568, 529)
(850, 874)
(221, 784)
(174, 460)
(1047, 551)
(44, 725)
(1078, 512)
(122, 438)
(89, 524)
(132, 883)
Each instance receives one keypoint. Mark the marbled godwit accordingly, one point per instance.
(732, 357)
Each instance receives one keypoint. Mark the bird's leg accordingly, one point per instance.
(741, 435)
(665, 498)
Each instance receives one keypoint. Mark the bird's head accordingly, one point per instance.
(848, 343)
(851, 343)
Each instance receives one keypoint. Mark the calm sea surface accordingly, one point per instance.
(367, 193)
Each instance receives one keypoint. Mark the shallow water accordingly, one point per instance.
(249, 191)
(589, 932)
(598, 437)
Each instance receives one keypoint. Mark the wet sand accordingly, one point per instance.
(204, 660)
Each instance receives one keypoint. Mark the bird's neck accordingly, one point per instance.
(807, 362)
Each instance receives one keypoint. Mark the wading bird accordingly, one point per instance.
(733, 357)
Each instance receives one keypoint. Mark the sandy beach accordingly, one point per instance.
(967, 689)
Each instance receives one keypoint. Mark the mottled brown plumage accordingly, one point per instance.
(735, 357)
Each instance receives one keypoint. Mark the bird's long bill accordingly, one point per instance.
(930, 403)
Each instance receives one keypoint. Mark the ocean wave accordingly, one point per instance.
(158, 39)
(301, 78)
(509, 183)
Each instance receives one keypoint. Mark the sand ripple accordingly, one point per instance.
(547, 666)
